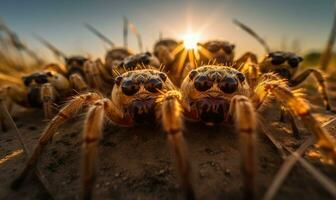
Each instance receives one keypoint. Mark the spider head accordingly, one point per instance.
(37, 79)
(285, 64)
(116, 55)
(207, 92)
(136, 92)
(131, 62)
(221, 51)
(75, 64)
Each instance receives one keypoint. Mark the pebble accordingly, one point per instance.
(162, 171)
(117, 175)
(227, 172)
(202, 172)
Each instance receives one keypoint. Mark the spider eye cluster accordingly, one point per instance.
(278, 58)
(227, 84)
(216, 46)
(131, 87)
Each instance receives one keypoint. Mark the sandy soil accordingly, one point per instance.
(134, 163)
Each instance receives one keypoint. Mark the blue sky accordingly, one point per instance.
(61, 21)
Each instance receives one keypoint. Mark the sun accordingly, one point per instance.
(191, 40)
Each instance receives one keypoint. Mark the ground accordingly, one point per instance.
(134, 163)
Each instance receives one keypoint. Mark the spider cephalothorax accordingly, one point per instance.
(133, 61)
(36, 81)
(141, 95)
(221, 51)
(210, 89)
(136, 92)
(36, 90)
(75, 64)
(115, 56)
(285, 64)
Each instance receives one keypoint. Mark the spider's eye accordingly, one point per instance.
(277, 59)
(118, 80)
(192, 74)
(202, 83)
(163, 76)
(41, 79)
(213, 47)
(129, 88)
(294, 61)
(227, 49)
(228, 85)
(27, 80)
(153, 85)
(241, 77)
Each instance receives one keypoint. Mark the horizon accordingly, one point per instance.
(62, 23)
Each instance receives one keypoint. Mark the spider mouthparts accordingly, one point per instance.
(213, 111)
(142, 110)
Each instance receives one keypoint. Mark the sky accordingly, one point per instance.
(301, 25)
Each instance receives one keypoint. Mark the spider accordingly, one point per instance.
(223, 52)
(75, 69)
(115, 56)
(131, 62)
(286, 65)
(215, 94)
(36, 90)
(138, 96)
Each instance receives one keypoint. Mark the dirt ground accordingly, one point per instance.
(135, 163)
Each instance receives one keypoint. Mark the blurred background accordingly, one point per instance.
(302, 26)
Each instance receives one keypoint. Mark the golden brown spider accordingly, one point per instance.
(142, 95)
(223, 52)
(39, 89)
(115, 56)
(286, 65)
(219, 94)
(131, 62)
(75, 69)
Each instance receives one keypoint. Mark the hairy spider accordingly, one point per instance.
(131, 62)
(138, 96)
(36, 90)
(115, 56)
(75, 69)
(286, 65)
(223, 52)
(219, 94)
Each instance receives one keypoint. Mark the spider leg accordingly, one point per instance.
(251, 71)
(47, 97)
(245, 121)
(295, 129)
(92, 134)
(66, 112)
(9, 95)
(245, 57)
(104, 72)
(78, 82)
(171, 112)
(93, 75)
(299, 108)
(320, 79)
